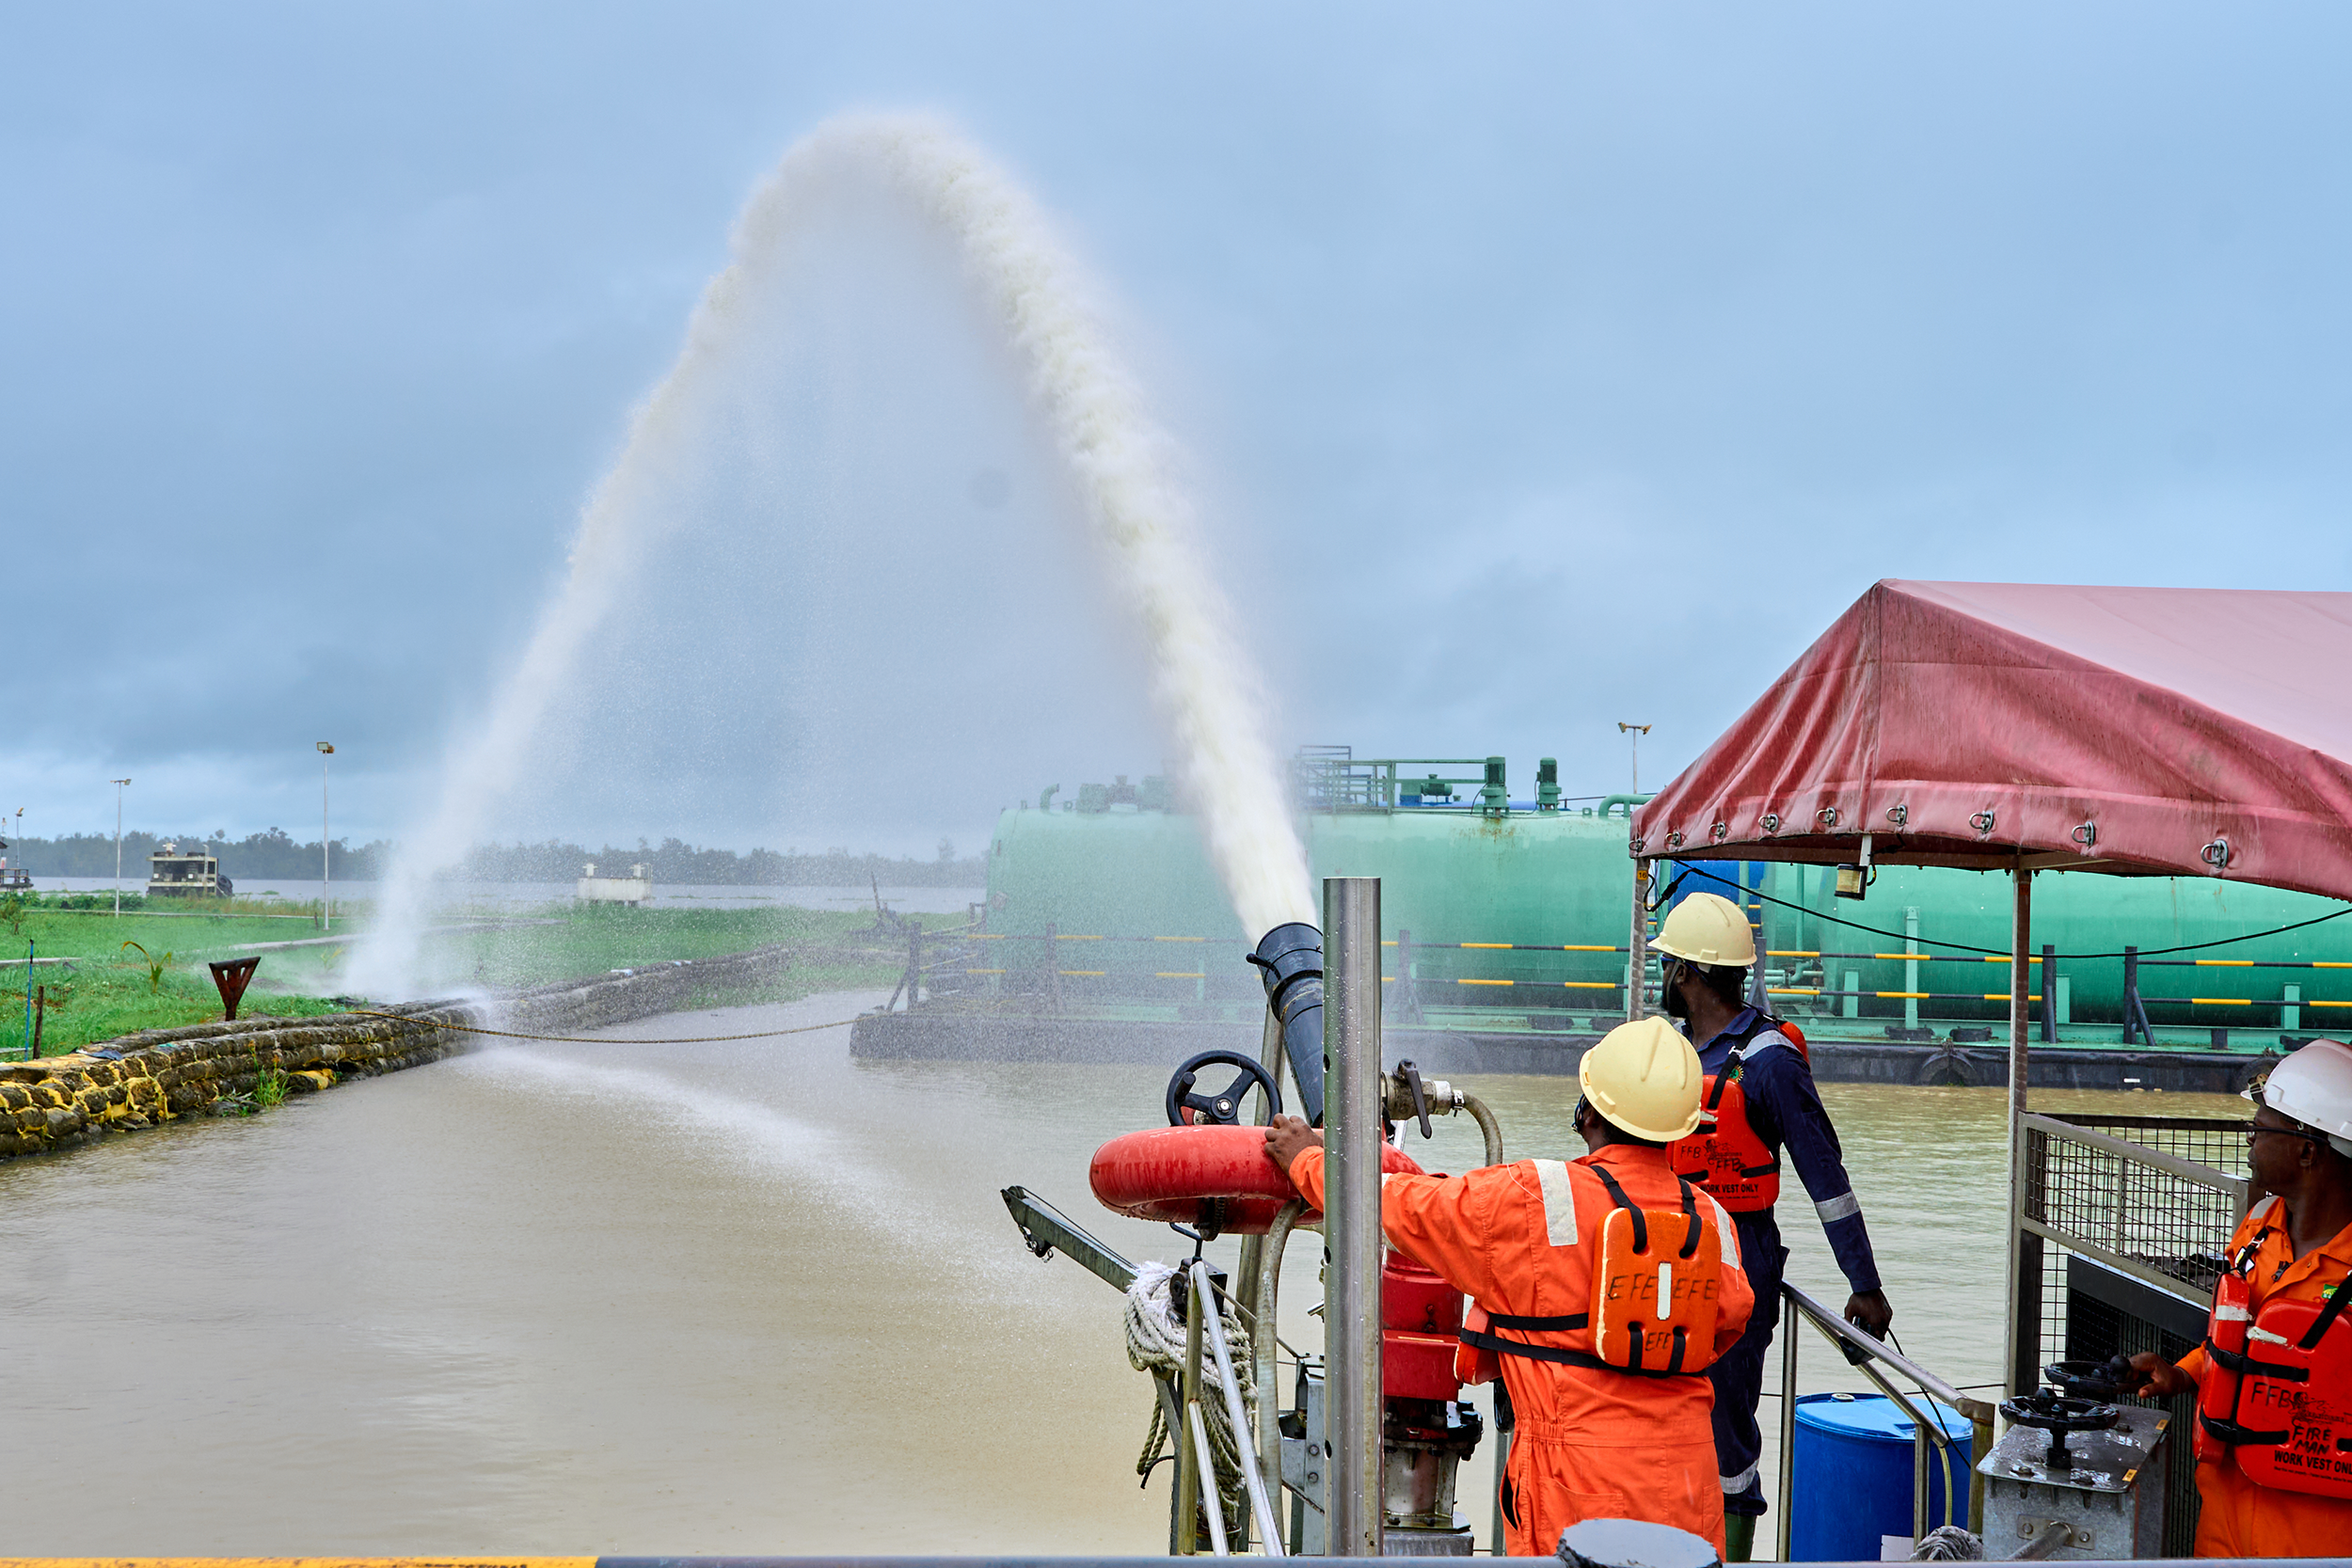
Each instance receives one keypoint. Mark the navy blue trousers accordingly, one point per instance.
(1739, 1377)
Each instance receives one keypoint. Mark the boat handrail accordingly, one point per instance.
(1862, 1350)
(1845, 1332)
(1269, 1529)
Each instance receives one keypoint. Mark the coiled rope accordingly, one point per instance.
(600, 1039)
(1155, 1343)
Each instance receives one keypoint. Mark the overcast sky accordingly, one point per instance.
(1541, 367)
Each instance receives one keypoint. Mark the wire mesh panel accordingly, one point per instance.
(2156, 1196)
(2126, 1221)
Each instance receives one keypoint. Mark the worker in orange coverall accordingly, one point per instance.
(2272, 1467)
(1566, 1260)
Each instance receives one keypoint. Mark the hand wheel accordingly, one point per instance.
(1224, 1110)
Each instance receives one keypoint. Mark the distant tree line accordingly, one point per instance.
(258, 858)
(253, 859)
(675, 861)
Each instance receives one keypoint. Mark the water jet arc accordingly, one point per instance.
(1121, 461)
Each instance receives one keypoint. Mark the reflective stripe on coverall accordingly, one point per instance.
(1785, 1109)
(2239, 1518)
(1520, 1240)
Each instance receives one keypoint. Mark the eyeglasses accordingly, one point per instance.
(2256, 1129)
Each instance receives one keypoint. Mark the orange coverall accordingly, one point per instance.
(2240, 1518)
(1520, 1240)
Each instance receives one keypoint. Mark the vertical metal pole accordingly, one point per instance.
(1351, 1228)
(1759, 984)
(1910, 971)
(327, 872)
(1189, 1481)
(1788, 1418)
(2131, 996)
(2049, 993)
(1979, 1446)
(118, 783)
(2019, 1329)
(1637, 944)
(1919, 1474)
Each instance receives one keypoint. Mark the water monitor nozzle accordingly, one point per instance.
(1290, 959)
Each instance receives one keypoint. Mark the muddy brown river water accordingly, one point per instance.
(743, 1298)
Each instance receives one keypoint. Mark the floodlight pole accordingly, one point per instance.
(1636, 730)
(119, 785)
(327, 880)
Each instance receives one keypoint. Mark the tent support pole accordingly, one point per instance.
(2023, 1335)
(1637, 944)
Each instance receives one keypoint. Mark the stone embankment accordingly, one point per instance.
(164, 1074)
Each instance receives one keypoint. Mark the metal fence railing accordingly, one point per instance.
(2154, 1197)
(2123, 1224)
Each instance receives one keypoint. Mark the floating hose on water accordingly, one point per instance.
(1155, 1343)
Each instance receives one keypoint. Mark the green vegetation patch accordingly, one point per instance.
(145, 969)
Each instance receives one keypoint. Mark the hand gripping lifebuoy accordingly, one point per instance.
(1211, 1177)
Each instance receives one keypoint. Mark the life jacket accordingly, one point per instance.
(1725, 1155)
(2276, 1392)
(1656, 1282)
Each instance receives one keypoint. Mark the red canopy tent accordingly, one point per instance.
(2154, 730)
(2024, 728)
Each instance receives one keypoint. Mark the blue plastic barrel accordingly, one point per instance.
(1851, 1483)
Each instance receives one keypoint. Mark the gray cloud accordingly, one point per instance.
(1541, 364)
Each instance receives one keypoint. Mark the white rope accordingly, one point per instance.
(1155, 1343)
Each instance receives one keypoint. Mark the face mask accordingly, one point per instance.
(1671, 999)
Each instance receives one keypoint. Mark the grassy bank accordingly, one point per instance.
(108, 990)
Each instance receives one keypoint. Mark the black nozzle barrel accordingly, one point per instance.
(1290, 959)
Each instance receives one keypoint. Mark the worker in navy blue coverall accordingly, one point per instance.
(1786, 1111)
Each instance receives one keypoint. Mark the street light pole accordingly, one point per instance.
(1636, 730)
(327, 880)
(121, 784)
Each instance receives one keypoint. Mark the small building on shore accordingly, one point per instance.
(174, 873)
(635, 890)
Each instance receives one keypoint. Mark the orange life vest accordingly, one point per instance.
(1657, 1279)
(2276, 1392)
(1724, 1155)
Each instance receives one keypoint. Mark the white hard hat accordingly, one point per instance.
(2314, 1086)
(1644, 1077)
(1707, 929)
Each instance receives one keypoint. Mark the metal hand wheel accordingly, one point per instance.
(1224, 1110)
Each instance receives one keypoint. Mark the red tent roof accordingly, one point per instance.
(2139, 731)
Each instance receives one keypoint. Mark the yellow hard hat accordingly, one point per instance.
(1644, 1078)
(1707, 929)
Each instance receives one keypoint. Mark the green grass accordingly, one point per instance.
(103, 998)
(604, 937)
(105, 992)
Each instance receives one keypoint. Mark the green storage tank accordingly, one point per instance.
(2078, 914)
(1120, 887)
(1128, 898)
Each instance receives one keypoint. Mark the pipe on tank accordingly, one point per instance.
(1611, 803)
(1289, 960)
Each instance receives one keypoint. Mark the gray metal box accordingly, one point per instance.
(2109, 1492)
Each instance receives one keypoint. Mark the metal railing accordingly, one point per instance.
(2106, 1187)
(1928, 1433)
(2121, 1226)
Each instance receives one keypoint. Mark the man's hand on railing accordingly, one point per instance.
(2161, 1378)
(1871, 1311)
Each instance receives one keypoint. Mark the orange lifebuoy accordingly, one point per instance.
(1203, 1176)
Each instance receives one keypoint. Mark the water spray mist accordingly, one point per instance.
(1121, 460)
